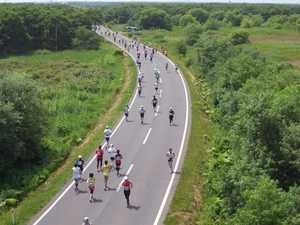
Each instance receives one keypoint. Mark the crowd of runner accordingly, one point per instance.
(115, 155)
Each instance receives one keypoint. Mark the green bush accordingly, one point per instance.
(180, 47)
(239, 37)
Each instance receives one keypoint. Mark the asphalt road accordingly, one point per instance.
(144, 148)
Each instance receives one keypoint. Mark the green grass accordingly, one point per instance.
(100, 114)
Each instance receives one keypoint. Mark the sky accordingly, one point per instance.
(223, 1)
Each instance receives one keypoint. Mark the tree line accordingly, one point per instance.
(164, 16)
(28, 27)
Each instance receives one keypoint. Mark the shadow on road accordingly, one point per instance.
(97, 200)
(134, 207)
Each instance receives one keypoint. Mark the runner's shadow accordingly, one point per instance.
(177, 173)
(111, 189)
(97, 200)
(134, 207)
(82, 192)
(145, 123)
(174, 125)
(142, 96)
(130, 121)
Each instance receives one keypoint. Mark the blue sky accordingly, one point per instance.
(223, 1)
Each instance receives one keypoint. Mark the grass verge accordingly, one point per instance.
(37, 199)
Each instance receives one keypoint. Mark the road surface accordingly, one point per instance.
(144, 148)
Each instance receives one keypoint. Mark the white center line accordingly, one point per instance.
(127, 174)
(147, 136)
(160, 94)
(157, 110)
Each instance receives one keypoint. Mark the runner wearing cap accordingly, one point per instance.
(170, 156)
(171, 116)
(142, 113)
(76, 174)
(105, 171)
(99, 152)
(80, 163)
(86, 221)
(107, 133)
(112, 151)
(127, 185)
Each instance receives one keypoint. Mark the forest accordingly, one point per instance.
(253, 164)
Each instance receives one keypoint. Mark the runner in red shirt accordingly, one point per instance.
(127, 185)
(99, 152)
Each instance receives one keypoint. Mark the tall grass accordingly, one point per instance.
(80, 89)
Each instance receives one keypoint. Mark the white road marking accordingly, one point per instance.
(160, 93)
(127, 174)
(156, 110)
(179, 154)
(147, 135)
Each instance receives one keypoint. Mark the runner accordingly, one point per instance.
(171, 116)
(126, 112)
(140, 90)
(151, 58)
(105, 171)
(156, 86)
(80, 163)
(142, 73)
(140, 78)
(157, 76)
(107, 133)
(91, 185)
(112, 151)
(166, 53)
(154, 103)
(142, 113)
(167, 65)
(138, 55)
(170, 156)
(99, 152)
(155, 70)
(176, 67)
(145, 53)
(139, 64)
(118, 157)
(76, 174)
(127, 185)
(86, 221)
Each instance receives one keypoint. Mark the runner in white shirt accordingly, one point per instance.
(170, 156)
(76, 175)
(156, 70)
(156, 86)
(112, 152)
(142, 113)
(107, 133)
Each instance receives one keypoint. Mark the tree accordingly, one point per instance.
(13, 35)
(239, 37)
(86, 39)
(212, 24)
(154, 18)
(200, 14)
(58, 32)
(21, 121)
(187, 19)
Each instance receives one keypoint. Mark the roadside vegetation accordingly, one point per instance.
(241, 63)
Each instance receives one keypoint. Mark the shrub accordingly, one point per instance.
(181, 47)
(239, 37)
